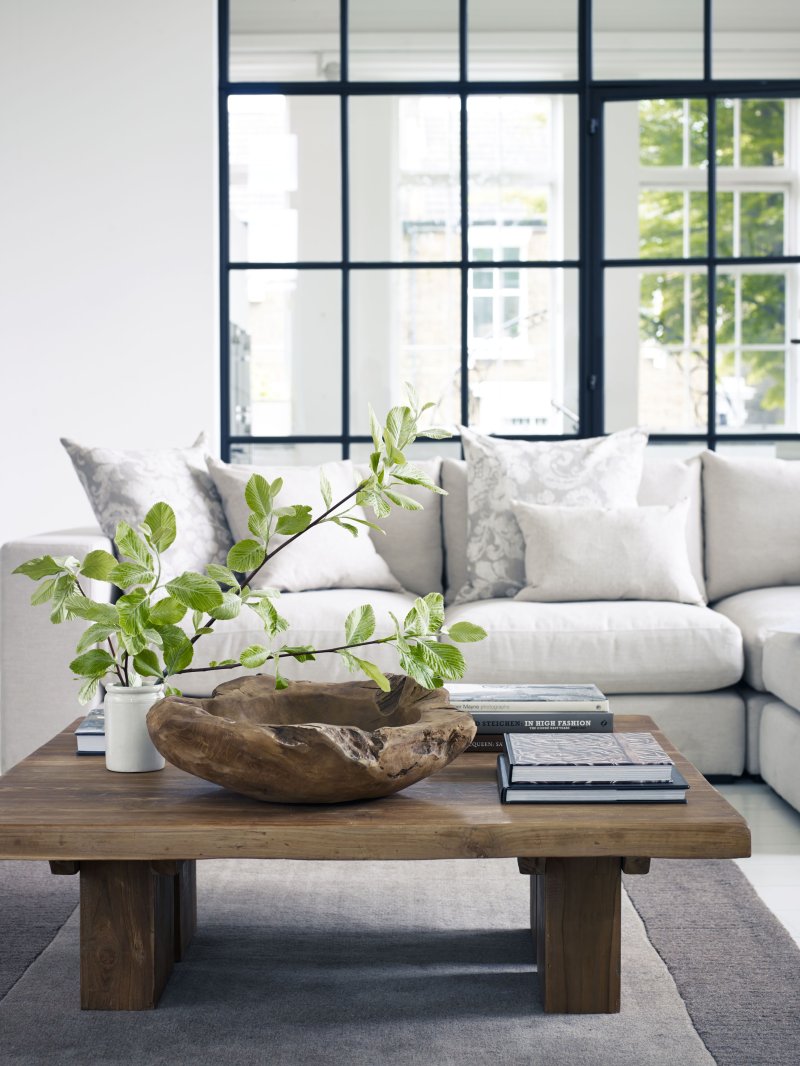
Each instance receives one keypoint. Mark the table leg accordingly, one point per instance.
(575, 911)
(128, 921)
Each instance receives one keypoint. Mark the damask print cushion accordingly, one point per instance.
(122, 486)
(597, 472)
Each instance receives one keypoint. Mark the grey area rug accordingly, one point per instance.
(356, 963)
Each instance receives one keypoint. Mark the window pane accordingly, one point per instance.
(661, 132)
(761, 223)
(756, 40)
(661, 224)
(285, 332)
(763, 308)
(483, 279)
(725, 244)
(534, 41)
(420, 449)
(762, 133)
(284, 41)
(726, 121)
(390, 41)
(285, 189)
(751, 390)
(647, 39)
(656, 350)
(523, 174)
(285, 454)
(405, 200)
(405, 325)
(524, 359)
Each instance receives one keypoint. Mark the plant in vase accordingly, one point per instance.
(139, 645)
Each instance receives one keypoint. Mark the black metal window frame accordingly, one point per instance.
(592, 95)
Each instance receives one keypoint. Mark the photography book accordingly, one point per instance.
(541, 722)
(672, 791)
(498, 699)
(576, 758)
(91, 733)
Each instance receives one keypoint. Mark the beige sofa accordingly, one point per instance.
(717, 679)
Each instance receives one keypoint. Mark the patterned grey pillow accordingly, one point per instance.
(597, 472)
(123, 485)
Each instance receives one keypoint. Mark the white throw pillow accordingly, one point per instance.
(122, 486)
(599, 472)
(597, 553)
(752, 523)
(326, 557)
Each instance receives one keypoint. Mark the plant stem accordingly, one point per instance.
(110, 644)
(288, 655)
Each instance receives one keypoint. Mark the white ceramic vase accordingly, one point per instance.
(129, 749)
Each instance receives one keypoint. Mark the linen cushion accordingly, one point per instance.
(667, 480)
(779, 742)
(622, 646)
(454, 526)
(600, 471)
(782, 666)
(752, 523)
(757, 614)
(598, 553)
(412, 545)
(316, 618)
(327, 556)
(122, 486)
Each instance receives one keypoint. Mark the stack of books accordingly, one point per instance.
(604, 768)
(91, 733)
(500, 709)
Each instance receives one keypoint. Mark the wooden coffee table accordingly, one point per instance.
(135, 838)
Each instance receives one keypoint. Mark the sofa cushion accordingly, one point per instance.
(412, 545)
(454, 526)
(626, 646)
(315, 618)
(752, 523)
(782, 666)
(780, 750)
(759, 613)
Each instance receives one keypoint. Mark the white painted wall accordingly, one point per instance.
(108, 239)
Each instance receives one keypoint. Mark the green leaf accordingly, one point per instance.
(359, 624)
(195, 591)
(303, 653)
(88, 690)
(375, 430)
(178, 649)
(465, 632)
(152, 636)
(44, 591)
(267, 612)
(444, 659)
(94, 634)
(64, 594)
(325, 489)
(197, 620)
(146, 663)
(222, 574)
(435, 433)
(42, 566)
(133, 610)
(245, 555)
(297, 520)
(133, 643)
(258, 495)
(167, 612)
(276, 486)
(229, 608)
(412, 475)
(82, 607)
(130, 575)
(266, 593)
(372, 671)
(413, 399)
(254, 656)
(131, 545)
(418, 620)
(414, 665)
(400, 500)
(350, 661)
(374, 499)
(160, 520)
(96, 663)
(259, 527)
(98, 565)
(435, 602)
(401, 425)
(351, 529)
(170, 690)
(374, 461)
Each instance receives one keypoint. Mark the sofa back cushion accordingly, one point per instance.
(412, 546)
(752, 523)
(665, 480)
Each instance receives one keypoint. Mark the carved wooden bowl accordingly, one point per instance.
(311, 742)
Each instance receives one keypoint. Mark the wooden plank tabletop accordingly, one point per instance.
(56, 805)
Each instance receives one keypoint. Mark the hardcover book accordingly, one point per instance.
(498, 698)
(586, 758)
(513, 721)
(672, 791)
(91, 733)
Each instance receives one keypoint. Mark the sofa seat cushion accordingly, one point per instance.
(622, 646)
(782, 666)
(759, 613)
(315, 618)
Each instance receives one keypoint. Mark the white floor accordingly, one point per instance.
(774, 867)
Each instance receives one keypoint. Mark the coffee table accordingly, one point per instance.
(134, 840)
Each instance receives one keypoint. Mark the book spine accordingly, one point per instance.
(544, 723)
(487, 742)
(531, 706)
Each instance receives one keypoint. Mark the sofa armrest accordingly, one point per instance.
(38, 695)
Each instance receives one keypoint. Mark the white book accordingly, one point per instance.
(527, 698)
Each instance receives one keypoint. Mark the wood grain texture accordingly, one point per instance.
(576, 913)
(55, 805)
(311, 742)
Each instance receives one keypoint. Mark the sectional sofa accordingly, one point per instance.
(722, 680)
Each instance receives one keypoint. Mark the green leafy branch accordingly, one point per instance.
(146, 629)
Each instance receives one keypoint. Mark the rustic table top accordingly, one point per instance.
(55, 805)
